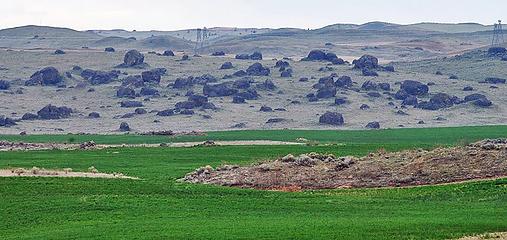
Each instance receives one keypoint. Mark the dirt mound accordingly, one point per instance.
(481, 160)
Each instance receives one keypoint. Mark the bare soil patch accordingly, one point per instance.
(482, 160)
(497, 236)
(22, 146)
(41, 172)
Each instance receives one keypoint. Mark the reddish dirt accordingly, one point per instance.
(482, 160)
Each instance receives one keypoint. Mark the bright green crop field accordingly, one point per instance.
(158, 207)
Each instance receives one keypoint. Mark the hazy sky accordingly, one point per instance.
(181, 14)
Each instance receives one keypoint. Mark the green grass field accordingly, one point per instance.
(158, 207)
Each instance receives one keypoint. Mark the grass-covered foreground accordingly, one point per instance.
(157, 207)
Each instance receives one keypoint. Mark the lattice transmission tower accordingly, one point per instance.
(202, 38)
(498, 38)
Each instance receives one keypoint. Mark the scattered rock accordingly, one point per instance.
(124, 127)
(226, 65)
(48, 76)
(373, 125)
(51, 112)
(332, 118)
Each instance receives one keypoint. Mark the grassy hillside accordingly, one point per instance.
(157, 207)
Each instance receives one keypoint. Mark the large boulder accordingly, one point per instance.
(133, 59)
(257, 69)
(267, 85)
(219, 90)
(344, 82)
(182, 83)
(495, 80)
(48, 76)
(319, 55)
(326, 93)
(478, 100)
(369, 86)
(438, 101)
(135, 81)
(168, 53)
(373, 125)
(131, 104)
(147, 91)
(366, 61)
(226, 65)
(152, 76)
(126, 92)
(415, 88)
(6, 122)
(50, 112)
(29, 117)
(124, 127)
(331, 118)
(254, 56)
(4, 85)
(249, 94)
(497, 51)
(109, 49)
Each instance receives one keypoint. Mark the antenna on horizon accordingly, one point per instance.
(498, 38)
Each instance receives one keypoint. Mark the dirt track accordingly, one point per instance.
(483, 160)
(67, 173)
(21, 146)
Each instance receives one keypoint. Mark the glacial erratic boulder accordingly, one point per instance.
(331, 118)
(48, 76)
(51, 112)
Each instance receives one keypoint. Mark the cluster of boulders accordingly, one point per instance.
(410, 90)
(95, 77)
(188, 82)
(327, 87)
(320, 55)
(187, 107)
(256, 56)
(49, 112)
(147, 81)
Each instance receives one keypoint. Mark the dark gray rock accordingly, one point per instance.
(48, 76)
(415, 88)
(257, 69)
(94, 115)
(4, 85)
(168, 53)
(126, 92)
(218, 90)
(494, 80)
(366, 62)
(7, 122)
(131, 104)
(146, 91)
(373, 125)
(124, 127)
(331, 118)
(51, 112)
(226, 65)
(29, 117)
(109, 49)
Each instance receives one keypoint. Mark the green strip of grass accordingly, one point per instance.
(445, 136)
(158, 207)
